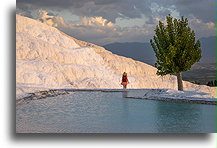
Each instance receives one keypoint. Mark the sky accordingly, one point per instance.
(107, 21)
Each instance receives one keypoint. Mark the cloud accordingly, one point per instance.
(202, 29)
(51, 20)
(97, 29)
(101, 31)
(113, 9)
(96, 21)
(202, 9)
(109, 9)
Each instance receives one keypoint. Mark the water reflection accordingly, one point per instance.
(125, 107)
(172, 115)
(112, 112)
(125, 94)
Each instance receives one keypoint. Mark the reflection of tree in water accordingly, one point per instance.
(178, 117)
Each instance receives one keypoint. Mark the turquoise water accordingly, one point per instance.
(110, 112)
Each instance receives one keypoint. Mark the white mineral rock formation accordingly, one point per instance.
(46, 58)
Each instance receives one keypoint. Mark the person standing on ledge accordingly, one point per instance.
(124, 80)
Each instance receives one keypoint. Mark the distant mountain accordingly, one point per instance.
(201, 73)
(143, 51)
(135, 50)
(208, 46)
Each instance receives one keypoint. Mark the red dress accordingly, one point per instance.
(124, 80)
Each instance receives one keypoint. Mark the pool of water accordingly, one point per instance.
(111, 112)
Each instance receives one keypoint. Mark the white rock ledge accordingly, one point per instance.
(149, 94)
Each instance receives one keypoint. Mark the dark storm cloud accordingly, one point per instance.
(66, 3)
(111, 9)
(201, 14)
(50, 3)
(203, 9)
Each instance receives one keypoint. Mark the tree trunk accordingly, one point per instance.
(179, 81)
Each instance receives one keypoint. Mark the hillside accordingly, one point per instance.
(201, 72)
(49, 59)
(138, 51)
(143, 51)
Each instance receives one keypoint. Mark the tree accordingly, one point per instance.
(175, 48)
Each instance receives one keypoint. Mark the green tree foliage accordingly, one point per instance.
(175, 47)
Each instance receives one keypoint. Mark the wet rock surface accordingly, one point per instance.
(179, 100)
(41, 95)
(131, 94)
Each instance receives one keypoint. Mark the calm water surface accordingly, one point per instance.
(110, 112)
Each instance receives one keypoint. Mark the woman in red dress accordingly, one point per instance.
(124, 80)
